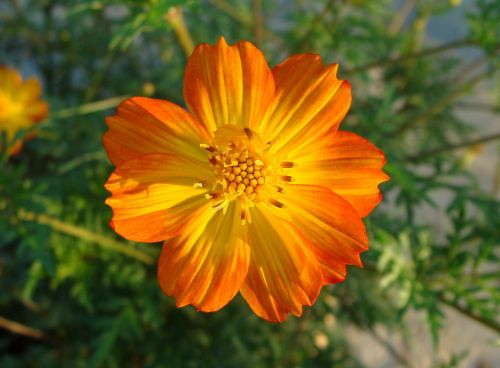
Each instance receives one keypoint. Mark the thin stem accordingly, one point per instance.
(99, 75)
(399, 357)
(463, 71)
(315, 24)
(243, 17)
(176, 20)
(88, 108)
(290, 358)
(258, 22)
(30, 304)
(20, 329)
(410, 56)
(369, 266)
(496, 181)
(16, 5)
(400, 17)
(81, 159)
(451, 147)
(442, 104)
(476, 105)
(233, 12)
(493, 325)
(85, 234)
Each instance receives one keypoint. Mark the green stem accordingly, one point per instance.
(391, 349)
(496, 181)
(85, 234)
(410, 56)
(477, 105)
(290, 359)
(99, 76)
(470, 314)
(441, 104)
(371, 267)
(89, 108)
(315, 24)
(20, 329)
(233, 12)
(400, 17)
(451, 147)
(176, 20)
(81, 159)
(243, 17)
(258, 22)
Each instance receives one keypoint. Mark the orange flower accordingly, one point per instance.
(254, 189)
(20, 105)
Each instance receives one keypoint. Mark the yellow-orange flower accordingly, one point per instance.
(254, 189)
(20, 105)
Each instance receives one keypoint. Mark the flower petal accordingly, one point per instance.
(228, 84)
(146, 125)
(37, 110)
(30, 90)
(349, 165)
(310, 101)
(283, 274)
(152, 196)
(206, 264)
(10, 80)
(336, 233)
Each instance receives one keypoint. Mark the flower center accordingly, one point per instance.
(244, 170)
(239, 166)
(242, 173)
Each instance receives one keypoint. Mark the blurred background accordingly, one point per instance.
(426, 89)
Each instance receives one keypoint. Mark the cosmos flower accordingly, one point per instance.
(253, 189)
(20, 105)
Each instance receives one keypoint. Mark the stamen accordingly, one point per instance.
(287, 164)
(276, 203)
(269, 144)
(286, 178)
(248, 132)
(218, 205)
(239, 170)
(279, 189)
(200, 184)
(211, 195)
(208, 147)
(213, 161)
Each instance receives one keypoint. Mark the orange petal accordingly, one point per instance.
(334, 229)
(10, 80)
(349, 165)
(283, 275)
(146, 125)
(30, 90)
(16, 148)
(206, 264)
(37, 110)
(310, 101)
(152, 196)
(228, 84)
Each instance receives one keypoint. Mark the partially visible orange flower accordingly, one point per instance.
(20, 105)
(254, 190)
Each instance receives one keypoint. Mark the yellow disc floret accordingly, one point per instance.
(244, 170)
